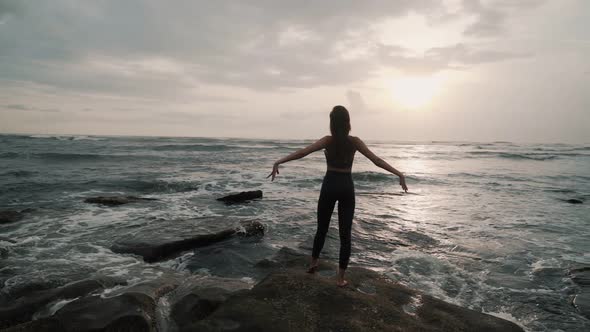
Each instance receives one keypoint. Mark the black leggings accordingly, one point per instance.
(337, 186)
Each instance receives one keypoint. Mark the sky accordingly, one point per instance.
(407, 70)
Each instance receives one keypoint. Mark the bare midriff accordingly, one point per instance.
(341, 170)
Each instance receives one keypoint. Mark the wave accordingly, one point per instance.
(9, 155)
(213, 147)
(371, 177)
(157, 186)
(56, 156)
(68, 137)
(386, 177)
(192, 147)
(529, 156)
(18, 174)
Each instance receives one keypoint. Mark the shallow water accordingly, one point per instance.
(485, 225)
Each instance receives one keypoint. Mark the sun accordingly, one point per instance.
(415, 91)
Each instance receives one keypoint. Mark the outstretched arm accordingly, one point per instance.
(362, 148)
(320, 144)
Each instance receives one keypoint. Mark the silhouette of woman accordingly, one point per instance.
(337, 185)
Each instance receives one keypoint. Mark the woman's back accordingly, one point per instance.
(340, 153)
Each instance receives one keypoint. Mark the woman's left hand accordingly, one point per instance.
(275, 172)
(402, 182)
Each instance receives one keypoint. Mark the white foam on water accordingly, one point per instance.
(178, 264)
(430, 274)
(52, 308)
(506, 316)
(108, 291)
(28, 240)
(411, 307)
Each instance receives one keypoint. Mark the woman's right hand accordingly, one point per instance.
(402, 182)
(275, 172)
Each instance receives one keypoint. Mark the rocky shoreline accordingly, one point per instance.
(287, 299)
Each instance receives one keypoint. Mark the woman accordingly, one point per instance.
(337, 185)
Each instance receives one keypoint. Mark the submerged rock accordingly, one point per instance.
(241, 197)
(154, 251)
(292, 300)
(116, 200)
(21, 308)
(581, 301)
(574, 201)
(10, 216)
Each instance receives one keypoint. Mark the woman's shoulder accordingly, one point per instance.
(354, 139)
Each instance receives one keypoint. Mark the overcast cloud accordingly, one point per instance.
(268, 60)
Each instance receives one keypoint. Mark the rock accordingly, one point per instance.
(581, 301)
(128, 309)
(202, 298)
(241, 197)
(154, 251)
(581, 276)
(126, 312)
(289, 299)
(132, 309)
(10, 216)
(16, 310)
(41, 325)
(574, 201)
(116, 200)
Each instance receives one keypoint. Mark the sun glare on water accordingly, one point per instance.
(416, 91)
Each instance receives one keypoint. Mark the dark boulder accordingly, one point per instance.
(126, 312)
(16, 310)
(116, 200)
(202, 298)
(574, 201)
(241, 197)
(10, 216)
(153, 251)
(131, 309)
(41, 325)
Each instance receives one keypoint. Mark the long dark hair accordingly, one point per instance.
(341, 147)
(339, 122)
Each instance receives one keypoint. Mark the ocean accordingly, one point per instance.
(486, 226)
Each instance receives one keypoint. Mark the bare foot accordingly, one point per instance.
(312, 269)
(313, 266)
(342, 283)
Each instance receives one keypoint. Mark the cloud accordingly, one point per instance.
(355, 100)
(491, 17)
(25, 108)
(153, 49)
(452, 57)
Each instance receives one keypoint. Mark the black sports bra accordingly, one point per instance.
(340, 154)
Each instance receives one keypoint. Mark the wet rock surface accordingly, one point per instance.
(116, 200)
(289, 299)
(20, 306)
(154, 251)
(581, 276)
(241, 197)
(574, 201)
(130, 309)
